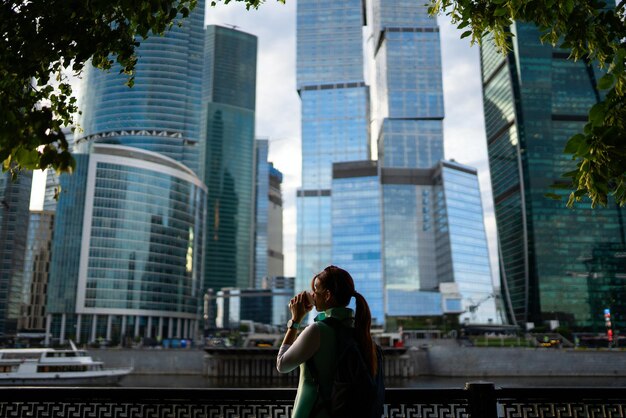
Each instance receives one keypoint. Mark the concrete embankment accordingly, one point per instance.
(151, 361)
(445, 360)
(456, 361)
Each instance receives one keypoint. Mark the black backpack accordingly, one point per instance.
(355, 393)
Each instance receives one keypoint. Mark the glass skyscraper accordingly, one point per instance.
(14, 217)
(160, 208)
(128, 254)
(556, 263)
(268, 218)
(335, 117)
(356, 229)
(227, 156)
(409, 105)
(126, 259)
(161, 111)
(395, 223)
(36, 268)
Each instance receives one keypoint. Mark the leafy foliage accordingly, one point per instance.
(42, 41)
(591, 32)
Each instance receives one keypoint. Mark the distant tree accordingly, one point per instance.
(591, 32)
(41, 41)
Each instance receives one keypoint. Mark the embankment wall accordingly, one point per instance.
(151, 361)
(450, 361)
(447, 360)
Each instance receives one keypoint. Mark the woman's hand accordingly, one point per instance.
(299, 306)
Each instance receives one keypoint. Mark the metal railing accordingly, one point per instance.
(477, 400)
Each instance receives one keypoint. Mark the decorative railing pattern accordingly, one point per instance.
(562, 402)
(478, 400)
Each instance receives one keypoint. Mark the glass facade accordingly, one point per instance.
(413, 303)
(409, 102)
(161, 111)
(36, 267)
(268, 219)
(335, 118)
(329, 42)
(356, 230)
(275, 255)
(409, 241)
(67, 241)
(385, 222)
(268, 306)
(434, 237)
(129, 244)
(535, 100)
(14, 217)
(462, 238)
(261, 212)
(228, 157)
(414, 240)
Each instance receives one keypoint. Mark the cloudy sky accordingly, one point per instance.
(278, 105)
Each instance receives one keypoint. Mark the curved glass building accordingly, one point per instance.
(161, 112)
(556, 263)
(127, 258)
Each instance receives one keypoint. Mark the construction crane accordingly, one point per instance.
(474, 306)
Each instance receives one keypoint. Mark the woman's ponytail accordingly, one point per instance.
(362, 325)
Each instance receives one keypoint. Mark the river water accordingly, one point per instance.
(427, 382)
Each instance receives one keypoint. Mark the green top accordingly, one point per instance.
(324, 359)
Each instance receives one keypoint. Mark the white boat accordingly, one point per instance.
(52, 367)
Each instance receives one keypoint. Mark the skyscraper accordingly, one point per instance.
(268, 219)
(396, 222)
(36, 268)
(14, 216)
(127, 256)
(127, 248)
(227, 156)
(161, 112)
(335, 117)
(555, 263)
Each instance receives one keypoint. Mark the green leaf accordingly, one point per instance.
(569, 6)
(574, 143)
(27, 158)
(597, 114)
(463, 24)
(606, 82)
(501, 11)
(466, 34)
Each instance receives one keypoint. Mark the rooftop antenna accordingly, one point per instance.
(231, 26)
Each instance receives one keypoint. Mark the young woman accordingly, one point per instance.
(333, 288)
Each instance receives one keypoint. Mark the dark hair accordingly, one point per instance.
(341, 286)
